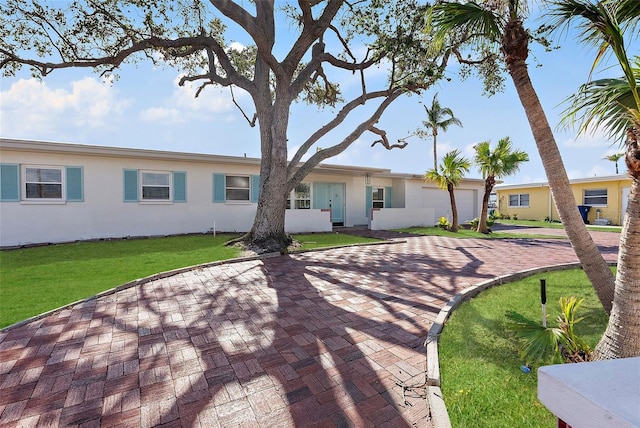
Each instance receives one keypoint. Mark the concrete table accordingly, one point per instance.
(595, 394)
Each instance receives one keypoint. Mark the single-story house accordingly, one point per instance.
(606, 197)
(58, 192)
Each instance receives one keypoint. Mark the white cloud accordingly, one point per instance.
(159, 114)
(591, 138)
(31, 109)
(212, 99)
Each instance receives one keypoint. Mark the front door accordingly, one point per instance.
(330, 196)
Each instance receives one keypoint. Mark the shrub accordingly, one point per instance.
(551, 344)
(443, 223)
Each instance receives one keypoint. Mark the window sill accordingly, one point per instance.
(43, 202)
(155, 202)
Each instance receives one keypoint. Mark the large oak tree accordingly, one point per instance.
(328, 39)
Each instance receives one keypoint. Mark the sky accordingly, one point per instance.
(145, 108)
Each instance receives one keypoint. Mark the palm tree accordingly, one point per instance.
(615, 158)
(448, 176)
(438, 117)
(500, 162)
(614, 105)
(499, 23)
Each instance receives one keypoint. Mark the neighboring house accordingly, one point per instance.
(605, 196)
(54, 192)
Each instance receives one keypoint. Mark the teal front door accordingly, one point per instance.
(330, 196)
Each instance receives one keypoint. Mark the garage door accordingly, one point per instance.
(439, 201)
(466, 202)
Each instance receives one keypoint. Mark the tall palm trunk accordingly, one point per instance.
(515, 49)
(454, 208)
(435, 150)
(489, 182)
(622, 336)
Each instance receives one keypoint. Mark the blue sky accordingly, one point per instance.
(145, 108)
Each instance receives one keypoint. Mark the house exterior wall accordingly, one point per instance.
(101, 196)
(541, 205)
(103, 212)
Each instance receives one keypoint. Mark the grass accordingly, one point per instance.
(467, 233)
(37, 280)
(323, 240)
(553, 225)
(482, 382)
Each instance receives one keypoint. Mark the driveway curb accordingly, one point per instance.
(439, 414)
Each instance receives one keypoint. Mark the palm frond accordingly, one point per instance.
(477, 22)
(538, 342)
(606, 104)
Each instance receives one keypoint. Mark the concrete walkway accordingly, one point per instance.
(326, 338)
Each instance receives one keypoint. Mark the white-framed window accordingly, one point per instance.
(155, 185)
(43, 182)
(595, 197)
(519, 200)
(378, 197)
(302, 196)
(237, 188)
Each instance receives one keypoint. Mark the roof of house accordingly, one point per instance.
(91, 150)
(619, 177)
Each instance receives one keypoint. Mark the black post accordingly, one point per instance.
(543, 300)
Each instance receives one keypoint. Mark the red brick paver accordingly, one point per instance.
(329, 338)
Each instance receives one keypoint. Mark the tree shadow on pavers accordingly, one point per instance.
(288, 341)
(607, 251)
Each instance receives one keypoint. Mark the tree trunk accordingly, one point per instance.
(622, 336)
(592, 261)
(435, 150)
(454, 208)
(488, 187)
(267, 233)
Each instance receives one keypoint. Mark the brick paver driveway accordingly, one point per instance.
(327, 338)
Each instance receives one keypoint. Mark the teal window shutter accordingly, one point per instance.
(255, 188)
(131, 185)
(369, 201)
(179, 186)
(74, 184)
(387, 197)
(218, 188)
(9, 182)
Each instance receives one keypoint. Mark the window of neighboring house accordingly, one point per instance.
(595, 197)
(520, 200)
(237, 188)
(43, 183)
(302, 196)
(378, 197)
(156, 186)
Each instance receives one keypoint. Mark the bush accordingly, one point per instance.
(443, 223)
(550, 344)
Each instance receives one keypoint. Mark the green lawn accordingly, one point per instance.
(37, 280)
(553, 225)
(467, 233)
(482, 382)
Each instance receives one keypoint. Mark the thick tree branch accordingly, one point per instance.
(401, 144)
(299, 174)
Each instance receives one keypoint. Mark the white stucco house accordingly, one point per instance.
(58, 192)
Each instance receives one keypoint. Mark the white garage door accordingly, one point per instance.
(439, 201)
(625, 201)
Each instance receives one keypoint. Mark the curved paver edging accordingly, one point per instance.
(439, 414)
(166, 274)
